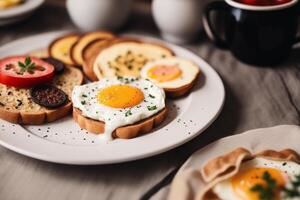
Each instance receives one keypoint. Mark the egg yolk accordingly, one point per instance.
(164, 73)
(245, 180)
(120, 96)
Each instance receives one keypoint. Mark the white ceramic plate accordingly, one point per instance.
(19, 12)
(64, 142)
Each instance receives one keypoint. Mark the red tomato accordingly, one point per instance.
(23, 72)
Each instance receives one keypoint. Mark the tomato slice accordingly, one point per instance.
(24, 72)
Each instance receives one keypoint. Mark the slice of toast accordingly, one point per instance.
(126, 57)
(181, 91)
(84, 40)
(186, 77)
(90, 53)
(125, 132)
(60, 48)
(16, 106)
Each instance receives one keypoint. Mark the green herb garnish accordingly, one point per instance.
(127, 113)
(265, 192)
(82, 102)
(27, 66)
(150, 108)
(293, 189)
(83, 95)
(151, 96)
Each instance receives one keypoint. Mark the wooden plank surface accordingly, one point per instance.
(255, 97)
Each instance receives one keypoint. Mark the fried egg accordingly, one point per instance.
(9, 3)
(118, 101)
(251, 173)
(170, 73)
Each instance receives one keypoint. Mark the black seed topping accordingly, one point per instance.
(48, 96)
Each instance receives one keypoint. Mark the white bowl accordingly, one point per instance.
(99, 14)
(19, 12)
(178, 20)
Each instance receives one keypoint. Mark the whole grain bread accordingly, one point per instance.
(16, 106)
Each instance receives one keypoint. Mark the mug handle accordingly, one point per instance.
(296, 40)
(207, 24)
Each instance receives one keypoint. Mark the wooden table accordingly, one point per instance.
(255, 97)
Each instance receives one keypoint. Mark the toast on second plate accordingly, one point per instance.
(240, 174)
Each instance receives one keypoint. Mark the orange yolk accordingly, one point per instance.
(244, 181)
(120, 96)
(164, 73)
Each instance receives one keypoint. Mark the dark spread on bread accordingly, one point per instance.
(58, 65)
(48, 96)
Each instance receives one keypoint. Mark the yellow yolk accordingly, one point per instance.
(164, 73)
(9, 3)
(120, 96)
(244, 181)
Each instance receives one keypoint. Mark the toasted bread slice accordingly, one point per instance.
(125, 132)
(84, 40)
(60, 48)
(175, 75)
(181, 91)
(126, 57)
(90, 53)
(16, 106)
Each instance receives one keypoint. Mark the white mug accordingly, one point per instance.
(178, 20)
(90, 15)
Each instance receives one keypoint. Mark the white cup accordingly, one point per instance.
(178, 20)
(89, 15)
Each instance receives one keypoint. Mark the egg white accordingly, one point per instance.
(225, 191)
(188, 68)
(85, 99)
